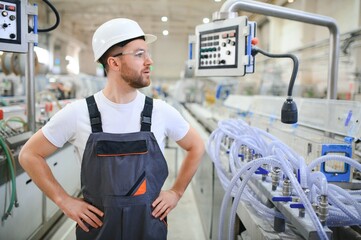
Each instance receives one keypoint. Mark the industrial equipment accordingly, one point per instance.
(14, 20)
(265, 179)
(223, 48)
(27, 213)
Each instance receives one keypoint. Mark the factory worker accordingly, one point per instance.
(119, 134)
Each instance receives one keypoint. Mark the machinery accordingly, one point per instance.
(224, 45)
(29, 98)
(262, 178)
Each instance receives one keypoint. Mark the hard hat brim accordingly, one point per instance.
(149, 38)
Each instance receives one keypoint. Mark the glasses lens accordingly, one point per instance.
(138, 54)
(142, 54)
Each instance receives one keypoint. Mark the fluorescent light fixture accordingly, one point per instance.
(164, 19)
(43, 55)
(217, 0)
(165, 32)
(73, 66)
(205, 20)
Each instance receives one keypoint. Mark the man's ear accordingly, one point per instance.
(113, 63)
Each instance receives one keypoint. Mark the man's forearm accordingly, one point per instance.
(188, 168)
(41, 175)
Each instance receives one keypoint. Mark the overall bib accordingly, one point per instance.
(122, 174)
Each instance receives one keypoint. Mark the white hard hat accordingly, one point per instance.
(115, 31)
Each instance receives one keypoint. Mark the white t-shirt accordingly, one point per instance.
(72, 123)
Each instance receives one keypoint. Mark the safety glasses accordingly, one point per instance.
(141, 53)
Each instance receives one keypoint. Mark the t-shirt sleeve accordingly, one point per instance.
(176, 126)
(62, 126)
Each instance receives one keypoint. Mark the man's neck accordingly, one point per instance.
(119, 93)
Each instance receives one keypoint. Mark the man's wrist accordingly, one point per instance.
(176, 192)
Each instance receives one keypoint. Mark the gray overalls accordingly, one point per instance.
(122, 174)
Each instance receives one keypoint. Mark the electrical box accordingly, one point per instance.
(223, 48)
(336, 171)
(13, 26)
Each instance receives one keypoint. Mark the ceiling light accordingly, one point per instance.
(290, 1)
(217, 0)
(73, 66)
(42, 54)
(164, 19)
(205, 20)
(165, 32)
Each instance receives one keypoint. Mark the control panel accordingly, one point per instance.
(13, 26)
(221, 48)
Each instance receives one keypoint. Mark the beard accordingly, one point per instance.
(134, 78)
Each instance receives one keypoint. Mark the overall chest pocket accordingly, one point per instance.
(123, 167)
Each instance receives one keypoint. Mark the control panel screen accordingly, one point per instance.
(13, 26)
(221, 48)
(218, 49)
(10, 26)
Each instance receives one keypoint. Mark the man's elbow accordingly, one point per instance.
(22, 157)
(198, 148)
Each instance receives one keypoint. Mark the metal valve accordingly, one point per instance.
(275, 175)
(286, 190)
(323, 209)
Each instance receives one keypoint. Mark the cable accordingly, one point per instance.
(274, 154)
(13, 200)
(57, 16)
(289, 113)
(256, 50)
(16, 119)
(14, 166)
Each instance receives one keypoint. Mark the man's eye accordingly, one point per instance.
(139, 54)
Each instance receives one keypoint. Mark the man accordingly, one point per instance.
(119, 134)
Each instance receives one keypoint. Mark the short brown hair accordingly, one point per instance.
(103, 59)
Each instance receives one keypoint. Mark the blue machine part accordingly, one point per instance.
(223, 91)
(250, 67)
(190, 53)
(337, 175)
(349, 115)
(219, 91)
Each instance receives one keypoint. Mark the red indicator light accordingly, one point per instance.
(10, 8)
(254, 41)
(48, 107)
(232, 34)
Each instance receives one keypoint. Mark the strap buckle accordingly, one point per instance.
(95, 121)
(146, 120)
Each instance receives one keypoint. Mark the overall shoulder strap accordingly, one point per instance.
(94, 114)
(146, 117)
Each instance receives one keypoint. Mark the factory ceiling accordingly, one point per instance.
(80, 18)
